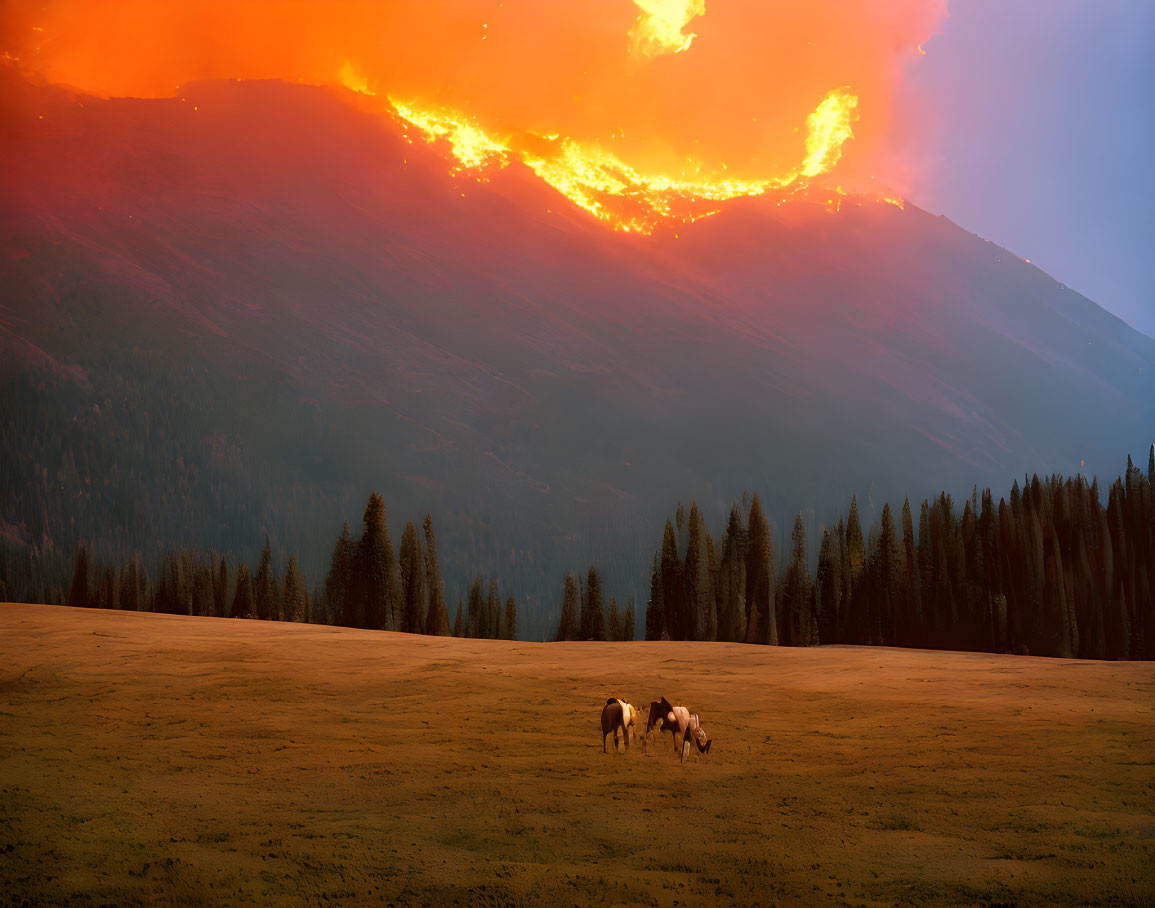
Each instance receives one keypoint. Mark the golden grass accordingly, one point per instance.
(169, 760)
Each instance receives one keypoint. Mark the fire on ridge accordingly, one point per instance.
(599, 182)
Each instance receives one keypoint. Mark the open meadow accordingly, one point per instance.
(170, 760)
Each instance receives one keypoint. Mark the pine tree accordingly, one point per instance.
(655, 615)
(493, 610)
(295, 596)
(221, 589)
(378, 584)
(478, 614)
(510, 628)
(613, 626)
(627, 627)
(337, 584)
(243, 596)
(1151, 465)
(264, 587)
(129, 588)
(732, 581)
(673, 592)
(568, 627)
(761, 592)
(828, 588)
(437, 621)
(857, 607)
(593, 616)
(796, 597)
(699, 592)
(413, 606)
(78, 592)
(458, 630)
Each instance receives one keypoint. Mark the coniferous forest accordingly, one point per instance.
(1057, 568)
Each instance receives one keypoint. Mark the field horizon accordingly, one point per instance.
(157, 758)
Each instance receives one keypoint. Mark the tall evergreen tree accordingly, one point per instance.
(673, 592)
(264, 587)
(614, 626)
(337, 583)
(761, 594)
(699, 591)
(655, 614)
(568, 627)
(732, 581)
(593, 616)
(437, 621)
(295, 596)
(377, 582)
(796, 600)
(221, 589)
(628, 619)
(458, 628)
(78, 592)
(412, 582)
(243, 596)
(478, 613)
(857, 607)
(129, 588)
(510, 625)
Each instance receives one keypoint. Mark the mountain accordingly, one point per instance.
(237, 312)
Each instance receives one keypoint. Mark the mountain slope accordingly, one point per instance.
(276, 302)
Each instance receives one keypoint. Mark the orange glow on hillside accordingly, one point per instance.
(639, 111)
(597, 181)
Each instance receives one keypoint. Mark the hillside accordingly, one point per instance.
(154, 758)
(239, 311)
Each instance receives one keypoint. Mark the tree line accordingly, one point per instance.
(583, 614)
(367, 586)
(1051, 571)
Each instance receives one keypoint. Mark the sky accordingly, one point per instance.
(1045, 138)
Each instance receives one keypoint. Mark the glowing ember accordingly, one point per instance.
(659, 28)
(600, 183)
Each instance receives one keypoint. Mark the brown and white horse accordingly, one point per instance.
(618, 717)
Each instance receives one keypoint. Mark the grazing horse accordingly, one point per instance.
(661, 718)
(690, 730)
(682, 725)
(616, 717)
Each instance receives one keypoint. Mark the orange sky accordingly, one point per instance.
(739, 95)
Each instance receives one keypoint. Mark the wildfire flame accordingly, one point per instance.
(658, 29)
(600, 183)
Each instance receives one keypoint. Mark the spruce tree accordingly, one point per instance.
(699, 591)
(458, 630)
(761, 617)
(129, 588)
(493, 610)
(568, 627)
(1151, 465)
(412, 582)
(673, 592)
(858, 616)
(221, 589)
(614, 627)
(295, 596)
(437, 621)
(478, 613)
(243, 596)
(264, 587)
(78, 592)
(593, 616)
(796, 598)
(628, 622)
(732, 581)
(655, 615)
(337, 592)
(510, 628)
(378, 584)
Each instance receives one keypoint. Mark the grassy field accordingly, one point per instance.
(170, 760)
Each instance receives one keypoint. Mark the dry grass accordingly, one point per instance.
(168, 760)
